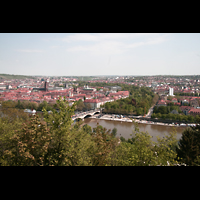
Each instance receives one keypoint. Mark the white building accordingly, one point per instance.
(171, 91)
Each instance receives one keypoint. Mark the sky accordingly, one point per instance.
(93, 54)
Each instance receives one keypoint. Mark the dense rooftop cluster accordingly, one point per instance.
(34, 89)
(42, 89)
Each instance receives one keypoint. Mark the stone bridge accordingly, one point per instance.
(83, 115)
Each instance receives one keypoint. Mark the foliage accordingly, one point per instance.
(56, 140)
(29, 145)
(114, 132)
(80, 106)
(105, 146)
(141, 151)
(11, 76)
(27, 105)
(144, 100)
(7, 130)
(189, 146)
(166, 109)
(44, 105)
(178, 117)
(66, 147)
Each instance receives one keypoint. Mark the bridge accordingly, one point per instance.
(83, 115)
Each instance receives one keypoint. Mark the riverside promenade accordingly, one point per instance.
(121, 118)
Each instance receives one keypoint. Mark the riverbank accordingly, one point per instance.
(121, 118)
(112, 117)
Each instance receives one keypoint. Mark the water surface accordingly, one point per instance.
(125, 128)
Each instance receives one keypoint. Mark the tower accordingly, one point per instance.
(46, 86)
(171, 91)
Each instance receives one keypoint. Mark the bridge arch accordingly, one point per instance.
(86, 116)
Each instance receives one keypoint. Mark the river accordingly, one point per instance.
(124, 129)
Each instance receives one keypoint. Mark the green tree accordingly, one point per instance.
(80, 105)
(42, 105)
(29, 144)
(7, 130)
(165, 149)
(142, 151)
(105, 145)
(189, 146)
(190, 118)
(87, 128)
(54, 141)
(114, 132)
(19, 105)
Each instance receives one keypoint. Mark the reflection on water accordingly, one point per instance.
(125, 128)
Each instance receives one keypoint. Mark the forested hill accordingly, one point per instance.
(12, 76)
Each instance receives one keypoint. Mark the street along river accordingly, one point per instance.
(124, 129)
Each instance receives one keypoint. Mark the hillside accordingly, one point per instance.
(12, 76)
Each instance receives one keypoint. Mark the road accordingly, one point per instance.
(148, 115)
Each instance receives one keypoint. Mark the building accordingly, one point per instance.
(3, 87)
(185, 109)
(184, 102)
(174, 100)
(88, 89)
(42, 89)
(194, 103)
(171, 91)
(194, 112)
(94, 103)
(161, 103)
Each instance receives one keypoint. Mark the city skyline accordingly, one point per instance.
(94, 54)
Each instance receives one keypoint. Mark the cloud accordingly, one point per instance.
(80, 37)
(111, 43)
(104, 47)
(54, 46)
(97, 37)
(149, 41)
(30, 50)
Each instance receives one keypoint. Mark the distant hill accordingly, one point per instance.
(12, 76)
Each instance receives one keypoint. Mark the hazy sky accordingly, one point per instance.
(88, 54)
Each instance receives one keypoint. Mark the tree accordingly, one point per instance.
(190, 118)
(19, 105)
(7, 130)
(105, 144)
(29, 144)
(42, 105)
(71, 145)
(189, 146)
(59, 124)
(114, 132)
(122, 139)
(87, 128)
(142, 151)
(53, 141)
(139, 111)
(88, 106)
(162, 110)
(80, 105)
(165, 149)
